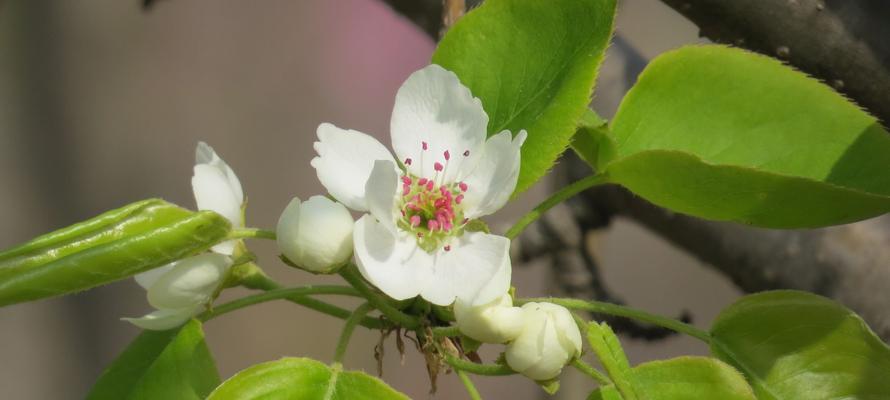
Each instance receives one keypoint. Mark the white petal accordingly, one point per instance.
(380, 193)
(214, 192)
(432, 106)
(525, 351)
(394, 264)
(494, 177)
(553, 356)
(204, 154)
(344, 162)
(161, 320)
(190, 283)
(316, 234)
(148, 278)
(569, 334)
(494, 322)
(474, 270)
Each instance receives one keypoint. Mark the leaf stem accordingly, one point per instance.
(346, 334)
(590, 371)
(556, 198)
(623, 311)
(250, 233)
(471, 389)
(351, 275)
(478, 369)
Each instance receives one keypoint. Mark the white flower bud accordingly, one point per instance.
(495, 322)
(316, 234)
(548, 341)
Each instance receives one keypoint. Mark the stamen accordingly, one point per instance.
(432, 225)
(466, 153)
(415, 221)
(459, 198)
(406, 180)
(463, 186)
(424, 145)
(448, 248)
(438, 167)
(429, 185)
(408, 161)
(447, 155)
(422, 181)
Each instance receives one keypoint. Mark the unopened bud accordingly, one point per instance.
(316, 235)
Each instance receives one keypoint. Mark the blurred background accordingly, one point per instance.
(103, 103)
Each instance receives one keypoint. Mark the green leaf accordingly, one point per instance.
(593, 142)
(687, 378)
(533, 64)
(797, 345)
(302, 379)
(725, 134)
(608, 349)
(112, 246)
(173, 364)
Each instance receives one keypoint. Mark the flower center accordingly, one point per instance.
(432, 210)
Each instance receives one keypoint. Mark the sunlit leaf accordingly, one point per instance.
(302, 379)
(725, 134)
(533, 64)
(173, 364)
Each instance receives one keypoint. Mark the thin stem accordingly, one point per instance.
(250, 233)
(260, 281)
(445, 331)
(626, 312)
(351, 275)
(346, 334)
(471, 389)
(558, 197)
(478, 369)
(289, 294)
(590, 371)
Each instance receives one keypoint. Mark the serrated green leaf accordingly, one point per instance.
(302, 379)
(608, 350)
(797, 345)
(725, 134)
(173, 364)
(687, 378)
(112, 246)
(593, 142)
(533, 64)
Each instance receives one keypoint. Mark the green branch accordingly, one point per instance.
(622, 311)
(250, 233)
(558, 197)
(351, 275)
(346, 334)
(478, 369)
(471, 389)
(590, 371)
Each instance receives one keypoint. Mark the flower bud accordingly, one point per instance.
(494, 322)
(548, 341)
(316, 235)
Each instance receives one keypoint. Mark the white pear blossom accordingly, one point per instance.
(494, 322)
(413, 241)
(316, 234)
(178, 290)
(217, 189)
(548, 341)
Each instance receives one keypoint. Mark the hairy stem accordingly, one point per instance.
(351, 323)
(471, 389)
(478, 369)
(250, 233)
(590, 371)
(262, 282)
(351, 275)
(558, 197)
(626, 312)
